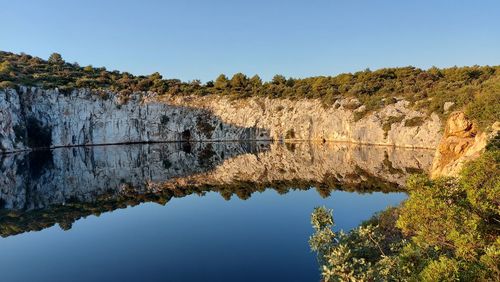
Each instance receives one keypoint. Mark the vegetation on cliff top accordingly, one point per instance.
(447, 230)
(474, 89)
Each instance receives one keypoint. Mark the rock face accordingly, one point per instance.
(51, 119)
(308, 119)
(461, 142)
(34, 118)
(11, 122)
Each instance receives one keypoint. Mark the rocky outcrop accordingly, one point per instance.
(461, 142)
(32, 117)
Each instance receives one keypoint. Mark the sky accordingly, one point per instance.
(196, 39)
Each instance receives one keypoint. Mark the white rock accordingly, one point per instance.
(447, 106)
(81, 118)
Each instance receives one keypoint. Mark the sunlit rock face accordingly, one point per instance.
(32, 118)
(461, 143)
(309, 119)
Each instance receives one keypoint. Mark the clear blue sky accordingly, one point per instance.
(196, 39)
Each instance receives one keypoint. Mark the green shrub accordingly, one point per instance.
(386, 126)
(7, 84)
(485, 108)
(416, 121)
(447, 230)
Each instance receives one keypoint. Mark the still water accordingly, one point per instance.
(186, 212)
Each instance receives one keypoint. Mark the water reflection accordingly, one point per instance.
(44, 188)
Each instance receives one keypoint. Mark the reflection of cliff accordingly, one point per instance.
(42, 178)
(341, 163)
(64, 185)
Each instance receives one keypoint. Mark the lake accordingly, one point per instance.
(228, 211)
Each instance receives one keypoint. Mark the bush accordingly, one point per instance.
(7, 84)
(447, 230)
(416, 121)
(387, 125)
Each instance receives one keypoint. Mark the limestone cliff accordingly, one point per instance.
(32, 117)
(461, 142)
(308, 119)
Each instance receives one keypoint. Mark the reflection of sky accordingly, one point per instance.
(190, 239)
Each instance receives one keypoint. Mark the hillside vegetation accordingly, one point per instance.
(474, 89)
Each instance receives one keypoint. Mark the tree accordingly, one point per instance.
(56, 58)
(221, 82)
(256, 82)
(88, 68)
(155, 76)
(279, 79)
(209, 84)
(239, 81)
(195, 83)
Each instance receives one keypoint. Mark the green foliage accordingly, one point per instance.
(321, 218)
(389, 122)
(32, 71)
(5, 67)
(480, 180)
(443, 269)
(56, 58)
(447, 230)
(485, 107)
(460, 215)
(239, 82)
(474, 89)
(360, 255)
(221, 82)
(7, 84)
(416, 121)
